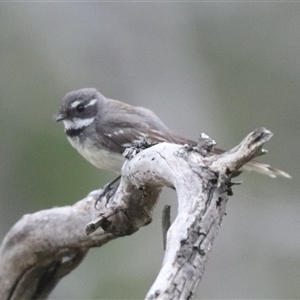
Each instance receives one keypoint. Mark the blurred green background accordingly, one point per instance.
(219, 68)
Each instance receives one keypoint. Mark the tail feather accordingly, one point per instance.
(252, 165)
(259, 167)
(265, 169)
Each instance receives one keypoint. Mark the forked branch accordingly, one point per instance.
(45, 246)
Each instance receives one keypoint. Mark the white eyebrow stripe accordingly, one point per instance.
(77, 123)
(92, 102)
(75, 103)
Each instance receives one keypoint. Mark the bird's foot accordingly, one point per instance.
(108, 191)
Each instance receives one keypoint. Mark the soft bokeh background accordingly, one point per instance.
(219, 68)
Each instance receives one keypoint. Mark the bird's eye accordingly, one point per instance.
(80, 107)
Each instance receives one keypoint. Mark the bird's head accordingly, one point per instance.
(79, 108)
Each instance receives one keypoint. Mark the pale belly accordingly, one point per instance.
(101, 159)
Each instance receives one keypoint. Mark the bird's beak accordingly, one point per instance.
(61, 117)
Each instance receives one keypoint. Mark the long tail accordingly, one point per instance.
(252, 165)
(265, 169)
(259, 167)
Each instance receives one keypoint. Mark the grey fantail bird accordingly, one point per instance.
(100, 129)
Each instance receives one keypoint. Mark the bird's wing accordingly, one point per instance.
(120, 139)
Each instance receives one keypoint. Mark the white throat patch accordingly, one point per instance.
(77, 123)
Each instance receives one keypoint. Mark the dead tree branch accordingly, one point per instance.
(45, 246)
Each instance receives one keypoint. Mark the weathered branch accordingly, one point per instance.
(45, 246)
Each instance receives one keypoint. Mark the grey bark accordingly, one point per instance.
(45, 246)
